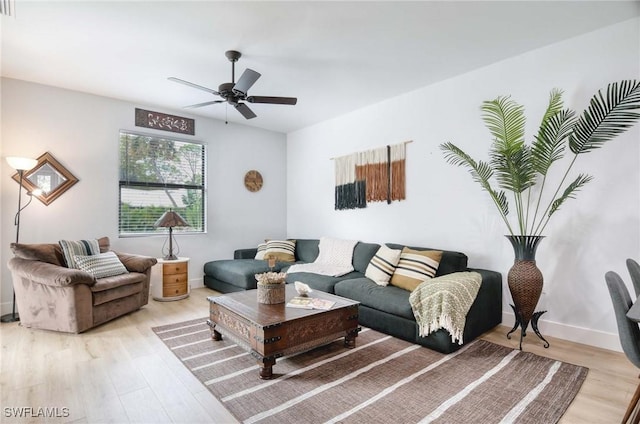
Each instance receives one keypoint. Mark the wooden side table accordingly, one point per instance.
(170, 279)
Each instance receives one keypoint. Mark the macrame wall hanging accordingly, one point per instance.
(376, 175)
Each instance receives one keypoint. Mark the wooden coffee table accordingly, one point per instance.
(272, 331)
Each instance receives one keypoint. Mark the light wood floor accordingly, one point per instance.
(120, 372)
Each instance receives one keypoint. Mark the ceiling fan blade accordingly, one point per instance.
(190, 84)
(273, 100)
(203, 104)
(245, 111)
(247, 79)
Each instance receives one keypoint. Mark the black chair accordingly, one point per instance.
(628, 332)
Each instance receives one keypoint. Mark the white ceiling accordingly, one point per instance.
(334, 56)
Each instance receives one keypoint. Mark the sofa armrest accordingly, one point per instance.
(491, 288)
(49, 274)
(136, 263)
(493, 277)
(245, 253)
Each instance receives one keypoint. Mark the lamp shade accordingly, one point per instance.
(171, 219)
(21, 164)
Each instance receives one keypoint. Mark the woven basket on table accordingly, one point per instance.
(271, 287)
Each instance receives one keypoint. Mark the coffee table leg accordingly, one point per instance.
(350, 339)
(266, 368)
(215, 335)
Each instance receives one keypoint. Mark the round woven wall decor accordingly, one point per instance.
(253, 180)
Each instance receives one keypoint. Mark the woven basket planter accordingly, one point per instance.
(524, 278)
(271, 287)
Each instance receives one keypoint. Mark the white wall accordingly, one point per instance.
(446, 209)
(81, 131)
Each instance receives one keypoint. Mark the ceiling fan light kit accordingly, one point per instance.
(235, 93)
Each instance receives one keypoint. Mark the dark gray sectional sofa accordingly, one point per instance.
(382, 308)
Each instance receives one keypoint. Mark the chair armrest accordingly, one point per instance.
(49, 274)
(245, 253)
(136, 263)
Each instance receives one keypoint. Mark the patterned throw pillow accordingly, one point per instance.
(81, 247)
(281, 250)
(262, 247)
(101, 265)
(414, 267)
(383, 265)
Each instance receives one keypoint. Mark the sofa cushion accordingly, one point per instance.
(101, 265)
(383, 265)
(239, 272)
(109, 283)
(323, 283)
(390, 299)
(414, 267)
(282, 250)
(44, 252)
(79, 247)
(362, 254)
(451, 261)
(262, 247)
(307, 250)
(120, 292)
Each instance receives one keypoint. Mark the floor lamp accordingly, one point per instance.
(20, 165)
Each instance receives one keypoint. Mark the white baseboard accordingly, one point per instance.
(6, 307)
(571, 333)
(196, 284)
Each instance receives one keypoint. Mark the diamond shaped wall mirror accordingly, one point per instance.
(49, 176)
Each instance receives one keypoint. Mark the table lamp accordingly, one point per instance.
(171, 219)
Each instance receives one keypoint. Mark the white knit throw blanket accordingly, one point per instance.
(443, 302)
(335, 258)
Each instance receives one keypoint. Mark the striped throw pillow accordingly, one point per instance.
(262, 247)
(281, 250)
(383, 265)
(101, 265)
(81, 247)
(414, 267)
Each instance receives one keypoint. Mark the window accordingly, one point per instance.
(158, 174)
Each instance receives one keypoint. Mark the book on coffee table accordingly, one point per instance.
(301, 302)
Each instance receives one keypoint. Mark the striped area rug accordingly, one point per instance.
(382, 380)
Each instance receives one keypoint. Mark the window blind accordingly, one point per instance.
(158, 174)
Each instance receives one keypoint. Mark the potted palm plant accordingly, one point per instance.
(521, 169)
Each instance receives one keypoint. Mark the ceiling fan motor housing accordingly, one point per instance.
(227, 93)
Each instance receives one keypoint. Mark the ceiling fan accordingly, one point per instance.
(235, 93)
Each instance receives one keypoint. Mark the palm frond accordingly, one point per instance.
(513, 171)
(500, 199)
(480, 171)
(570, 192)
(555, 105)
(549, 145)
(510, 158)
(505, 120)
(606, 118)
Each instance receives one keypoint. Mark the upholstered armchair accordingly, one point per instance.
(52, 296)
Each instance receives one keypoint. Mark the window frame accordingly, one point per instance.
(171, 186)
